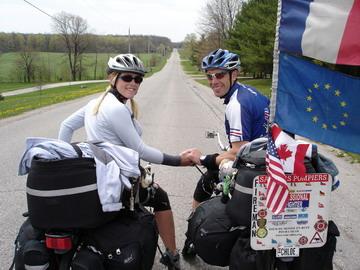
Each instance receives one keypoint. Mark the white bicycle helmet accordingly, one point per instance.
(126, 63)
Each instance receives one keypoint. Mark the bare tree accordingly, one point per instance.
(218, 18)
(73, 30)
(26, 63)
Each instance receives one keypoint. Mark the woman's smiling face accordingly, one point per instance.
(128, 84)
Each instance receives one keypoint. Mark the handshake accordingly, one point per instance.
(190, 157)
(193, 156)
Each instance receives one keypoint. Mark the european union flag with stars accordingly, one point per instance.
(318, 103)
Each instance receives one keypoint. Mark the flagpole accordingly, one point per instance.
(274, 84)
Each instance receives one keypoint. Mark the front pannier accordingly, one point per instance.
(62, 194)
(128, 242)
(249, 167)
(212, 232)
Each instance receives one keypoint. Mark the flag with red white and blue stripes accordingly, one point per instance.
(321, 29)
(284, 155)
(277, 194)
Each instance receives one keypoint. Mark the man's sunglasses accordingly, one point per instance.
(129, 78)
(218, 75)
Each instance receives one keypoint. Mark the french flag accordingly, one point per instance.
(327, 30)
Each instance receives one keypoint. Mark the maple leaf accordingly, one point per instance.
(284, 152)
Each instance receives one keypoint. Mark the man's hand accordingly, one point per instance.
(189, 157)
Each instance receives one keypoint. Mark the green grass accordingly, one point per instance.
(14, 105)
(160, 63)
(54, 66)
(263, 85)
(5, 87)
(189, 68)
(355, 157)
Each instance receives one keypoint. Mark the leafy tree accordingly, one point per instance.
(191, 48)
(253, 35)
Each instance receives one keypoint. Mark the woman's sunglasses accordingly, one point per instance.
(218, 75)
(129, 78)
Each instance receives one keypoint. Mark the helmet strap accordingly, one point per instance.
(230, 78)
(115, 81)
(116, 92)
(231, 84)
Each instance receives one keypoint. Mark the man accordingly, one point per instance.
(246, 116)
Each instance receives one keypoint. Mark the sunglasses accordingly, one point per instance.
(129, 78)
(218, 75)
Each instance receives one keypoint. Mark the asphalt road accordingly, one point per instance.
(175, 112)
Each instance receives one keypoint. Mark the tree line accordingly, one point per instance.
(15, 42)
(246, 27)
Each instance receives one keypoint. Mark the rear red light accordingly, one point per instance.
(58, 242)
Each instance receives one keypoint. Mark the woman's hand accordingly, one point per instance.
(190, 157)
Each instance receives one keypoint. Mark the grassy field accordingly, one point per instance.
(54, 66)
(189, 68)
(14, 105)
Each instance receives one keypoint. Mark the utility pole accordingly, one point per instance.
(129, 36)
(148, 51)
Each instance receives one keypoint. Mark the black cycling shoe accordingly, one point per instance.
(188, 250)
(170, 260)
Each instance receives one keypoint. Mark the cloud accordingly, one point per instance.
(171, 18)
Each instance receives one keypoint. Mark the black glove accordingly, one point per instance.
(209, 161)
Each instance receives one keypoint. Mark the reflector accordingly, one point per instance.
(59, 242)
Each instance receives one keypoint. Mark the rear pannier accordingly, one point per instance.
(62, 194)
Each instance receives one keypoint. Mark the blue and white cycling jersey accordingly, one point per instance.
(246, 114)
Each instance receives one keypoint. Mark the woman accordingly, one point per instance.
(109, 119)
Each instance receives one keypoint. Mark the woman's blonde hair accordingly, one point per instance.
(133, 104)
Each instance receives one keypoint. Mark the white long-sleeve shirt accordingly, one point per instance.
(113, 123)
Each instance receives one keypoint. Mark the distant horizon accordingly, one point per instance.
(6, 32)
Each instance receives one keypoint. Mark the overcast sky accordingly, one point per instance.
(170, 18)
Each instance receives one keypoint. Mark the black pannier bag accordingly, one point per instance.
(62, 194)
(212, 232)
(239, 206)
(85, 259)
(243, 257)
(128, 242)
(29, 247)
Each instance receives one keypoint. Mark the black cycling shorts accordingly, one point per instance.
(205, 186)
(157, 198)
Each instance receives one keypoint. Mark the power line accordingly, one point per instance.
(43, 11)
